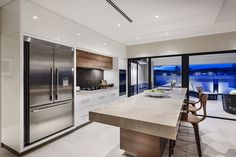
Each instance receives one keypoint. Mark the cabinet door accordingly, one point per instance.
(113, 94)
(48, 25)
(83, 102)
(82, 115)
(90, 60)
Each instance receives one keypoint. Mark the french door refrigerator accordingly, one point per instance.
(48, 88)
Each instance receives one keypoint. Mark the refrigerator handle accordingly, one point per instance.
(57, 88)
(48, 108)
(51, 95)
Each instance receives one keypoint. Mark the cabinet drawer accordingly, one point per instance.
(101, 98)
(83, 102)
(113, 95)
(82, 117)
(84, 110)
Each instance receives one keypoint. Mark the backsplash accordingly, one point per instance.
(88, 77)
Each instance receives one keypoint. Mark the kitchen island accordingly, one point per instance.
(145, 122)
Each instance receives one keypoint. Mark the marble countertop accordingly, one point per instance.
(84, 92)
(155, 116)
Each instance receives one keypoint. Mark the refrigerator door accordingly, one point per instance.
(50, 119)
(40, 72)
(63, 70)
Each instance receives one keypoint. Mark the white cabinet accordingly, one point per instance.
(40, 22)
(113, 95)
(89, 101)
(82, 106)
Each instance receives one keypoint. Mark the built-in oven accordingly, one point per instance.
(122, 82)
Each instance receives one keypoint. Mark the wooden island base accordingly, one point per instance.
(141, 145)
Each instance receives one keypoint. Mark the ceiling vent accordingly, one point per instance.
(119, 10)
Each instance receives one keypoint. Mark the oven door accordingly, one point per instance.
(49, 119)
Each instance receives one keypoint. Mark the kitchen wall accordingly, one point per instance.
(217, 42)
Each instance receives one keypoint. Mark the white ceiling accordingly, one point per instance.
(177, 18)
(4, 2)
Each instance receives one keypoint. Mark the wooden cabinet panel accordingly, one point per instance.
(91, 60)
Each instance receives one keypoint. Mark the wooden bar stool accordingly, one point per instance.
(194, 120)
(191, 107)
(192, 102)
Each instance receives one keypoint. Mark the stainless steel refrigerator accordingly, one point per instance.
(48, 88)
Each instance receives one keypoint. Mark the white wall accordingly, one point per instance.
(217, 42)
(11, 80)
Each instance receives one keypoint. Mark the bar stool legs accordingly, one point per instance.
(170, 148)
(197, 136)
(198, 142)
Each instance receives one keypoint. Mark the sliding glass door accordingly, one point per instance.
(166, 70)
(138, 76)
(215, 74)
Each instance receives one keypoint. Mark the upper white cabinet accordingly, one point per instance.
(45, 24)
(10, 19)
(89, 40)
(38, 21)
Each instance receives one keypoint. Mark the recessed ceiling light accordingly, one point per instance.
(35, 17)
(104, 44)
(156, 16)
(118, 24)
(78, 34)
(138, 38)
(167, 33)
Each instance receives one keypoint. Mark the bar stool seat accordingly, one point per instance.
(192, 102)
(190, 108)
(189, 117)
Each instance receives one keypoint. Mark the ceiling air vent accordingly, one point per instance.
(119, 10)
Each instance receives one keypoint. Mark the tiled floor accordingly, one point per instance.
(98, 140)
